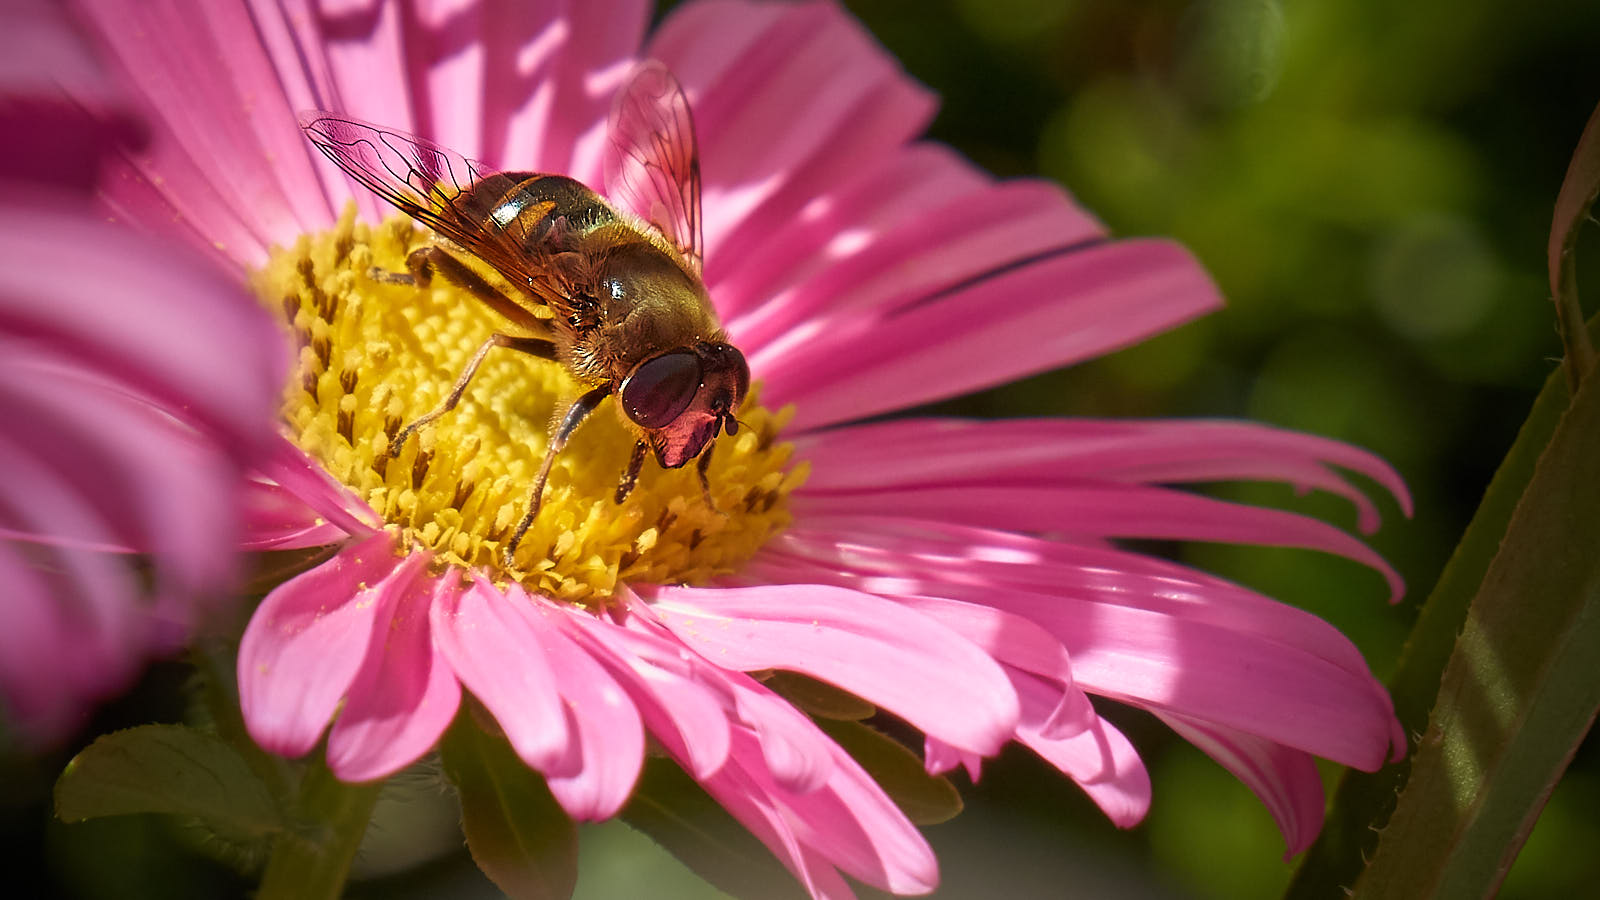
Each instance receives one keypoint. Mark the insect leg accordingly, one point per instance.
(569, 423)
(700, 468)
(427, 261)
(631, 477)
(535, 346)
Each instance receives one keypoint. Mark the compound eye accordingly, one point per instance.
(661, 388)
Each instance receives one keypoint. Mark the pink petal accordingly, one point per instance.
(228, 154)
(798, 756)
(785, 98)
(556, 86)
(275, 519)
(841, 221)
(603, 721)
(524, 88)
(1286, 780)
(1058, 311)
(738, 791)
(501, 658)
(312, 635)
(297, 37)
(1171, 662)
(923, 555)
(685, 716)
(1106, 511)
(57, 658)
(1226, 656)
(404, 696)
(1017, 643)
(939, 758)
(886, 273)
(852, 823)
(1099, 759)
(922, 452)
(795, 752)
(303, 479)
(875, 649)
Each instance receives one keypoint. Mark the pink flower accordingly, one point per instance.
(135, 383)
(960, 575)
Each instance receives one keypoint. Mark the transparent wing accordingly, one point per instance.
(435, 186)
(652, 164)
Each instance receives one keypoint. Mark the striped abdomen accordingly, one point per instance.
(527, 204)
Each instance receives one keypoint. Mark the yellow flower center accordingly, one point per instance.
(375, 357)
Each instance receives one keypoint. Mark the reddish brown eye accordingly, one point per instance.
(661, 388)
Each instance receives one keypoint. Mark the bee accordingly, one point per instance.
(625, 310)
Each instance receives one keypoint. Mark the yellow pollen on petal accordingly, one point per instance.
(375, 357)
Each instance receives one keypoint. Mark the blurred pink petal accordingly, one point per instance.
(65, 595)
(150, 482)
(146, 381)
(276, 519)
(61, 114)
(132, 419)
(133, 310)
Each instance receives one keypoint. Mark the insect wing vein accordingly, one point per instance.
(652, 165)
(425, 180)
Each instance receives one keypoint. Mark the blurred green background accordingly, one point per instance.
(1371, 183)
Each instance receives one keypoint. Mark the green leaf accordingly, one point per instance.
(1573, 202)
(820, 698)
(1365, 800)
(925, 799)
(166, 769)
(1519, 692)
(518, 834)
(673, 810)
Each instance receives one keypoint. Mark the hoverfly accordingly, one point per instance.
(627, 312)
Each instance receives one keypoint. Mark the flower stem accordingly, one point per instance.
(215, 664)
(312, 863)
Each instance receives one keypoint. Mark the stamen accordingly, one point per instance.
(376, 356)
